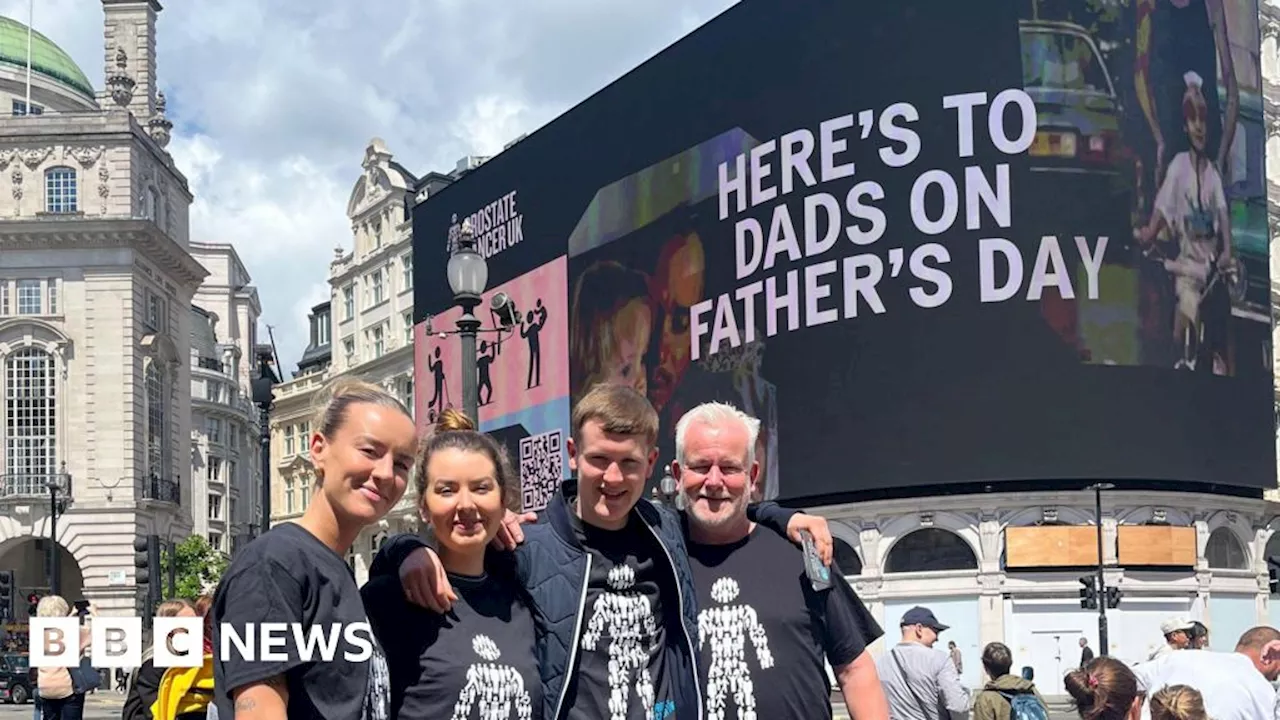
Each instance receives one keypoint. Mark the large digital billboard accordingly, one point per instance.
(927, 243)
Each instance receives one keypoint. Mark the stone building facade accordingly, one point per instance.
(366, 330)
(97, 280)
(226, 473)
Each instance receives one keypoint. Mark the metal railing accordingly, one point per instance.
(154, 487)
(26, 486)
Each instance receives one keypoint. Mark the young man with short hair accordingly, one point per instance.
(764, 631)
(608, 573)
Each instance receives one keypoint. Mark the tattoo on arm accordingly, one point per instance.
(251, 701)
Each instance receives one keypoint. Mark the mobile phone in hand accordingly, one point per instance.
(819, 574)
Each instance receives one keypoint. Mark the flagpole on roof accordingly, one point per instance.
(31, 15)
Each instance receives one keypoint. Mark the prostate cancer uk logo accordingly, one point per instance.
(117, 642)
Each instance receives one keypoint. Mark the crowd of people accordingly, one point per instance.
(605, 605)
(1182, 680)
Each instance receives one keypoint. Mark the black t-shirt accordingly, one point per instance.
(763, 631)
(478, 662)
(625, 625)
(289, 576)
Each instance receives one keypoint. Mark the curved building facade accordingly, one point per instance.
(1007, 567)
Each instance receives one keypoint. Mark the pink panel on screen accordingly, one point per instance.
(512, 383)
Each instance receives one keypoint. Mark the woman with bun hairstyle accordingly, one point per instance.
(362, 452)
(482, 652)
(1105, 689)
(1178, 702)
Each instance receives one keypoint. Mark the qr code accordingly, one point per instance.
(541, 469)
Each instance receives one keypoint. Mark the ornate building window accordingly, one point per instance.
(60, 190)
(157, 423)
(29, 297)
(288, 496)
(30, 414)
(1224, 551)
(847, 558)
(930, 550)
(348, 302)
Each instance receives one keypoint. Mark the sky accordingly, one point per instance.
(274, 102)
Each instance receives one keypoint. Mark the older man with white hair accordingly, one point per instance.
(763, 631)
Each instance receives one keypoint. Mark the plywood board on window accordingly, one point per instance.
(1157, 546)
(1050, 546)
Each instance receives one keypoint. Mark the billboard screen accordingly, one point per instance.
(926, 243)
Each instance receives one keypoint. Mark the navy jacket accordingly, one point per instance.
(554, 569)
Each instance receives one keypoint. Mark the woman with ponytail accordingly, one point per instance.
(297, 575)
(1105, 689)
(482, 652)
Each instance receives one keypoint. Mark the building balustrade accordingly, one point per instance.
(33, 486)
(159, 489)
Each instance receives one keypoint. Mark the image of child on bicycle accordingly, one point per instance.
(1189, 232)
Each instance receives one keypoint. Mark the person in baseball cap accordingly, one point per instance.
(1177, 635)
(915, 676)
(923, 624)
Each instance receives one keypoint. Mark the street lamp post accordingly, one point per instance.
(263, 397)
(57, 506)
(468, 275)
(1103, 646)
(668, 490)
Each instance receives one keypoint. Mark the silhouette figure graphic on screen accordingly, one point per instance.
(436, 366)
(488, 353)
(530, 331)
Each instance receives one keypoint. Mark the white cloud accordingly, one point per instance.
(274, 102)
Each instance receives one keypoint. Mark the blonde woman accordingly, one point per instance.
(1177, 702)
(62, 690)
(362, 452)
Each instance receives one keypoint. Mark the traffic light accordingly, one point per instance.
(1089, 593)
(142, 560)
(6, 594)
(1113, 597)
(33, 603)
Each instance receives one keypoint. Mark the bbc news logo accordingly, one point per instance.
(117, 642)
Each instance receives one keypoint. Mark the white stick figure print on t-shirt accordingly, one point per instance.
(728, 628)
(493, 686)
(625, 617)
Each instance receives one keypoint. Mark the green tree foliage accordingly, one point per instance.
(197, 566)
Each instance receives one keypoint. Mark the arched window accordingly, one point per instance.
(1225, 551)
(930, 549)
(157, 423)
(847, 558)
(31, 417)
(60, 190)
(1273, 547)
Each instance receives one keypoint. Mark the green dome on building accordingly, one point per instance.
(47, 58)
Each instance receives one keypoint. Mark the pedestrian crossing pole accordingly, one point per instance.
(1103, 645)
